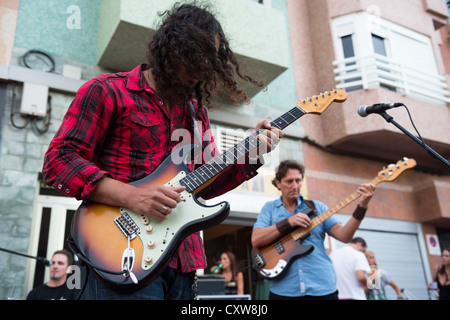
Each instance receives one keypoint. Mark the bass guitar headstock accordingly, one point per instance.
(393, 171)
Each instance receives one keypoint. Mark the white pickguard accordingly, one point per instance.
(275, 271)
(163, 232)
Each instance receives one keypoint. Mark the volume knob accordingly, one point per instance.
(151, 244)
(148, 260)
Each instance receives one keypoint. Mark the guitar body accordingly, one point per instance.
(272, 260)
(100, 240)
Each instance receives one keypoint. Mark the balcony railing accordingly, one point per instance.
(377, 71)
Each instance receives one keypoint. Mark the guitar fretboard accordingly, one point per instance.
(218, 164)
(301, 233)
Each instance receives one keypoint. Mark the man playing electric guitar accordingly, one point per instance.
(312, 275)
(120, 128)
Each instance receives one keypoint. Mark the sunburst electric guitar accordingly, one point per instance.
(128, 249)
(273, 260)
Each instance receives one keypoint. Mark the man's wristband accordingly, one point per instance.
(359, 213)
(283, 226)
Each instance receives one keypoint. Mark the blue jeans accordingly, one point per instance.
(172, 284)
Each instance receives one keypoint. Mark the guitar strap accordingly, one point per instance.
(311, 204)
(195, 127)
(285, 228)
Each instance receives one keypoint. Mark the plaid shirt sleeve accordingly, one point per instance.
(66, 164)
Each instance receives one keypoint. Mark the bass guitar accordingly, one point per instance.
(128, 249)
(273, 260)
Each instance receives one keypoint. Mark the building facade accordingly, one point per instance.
(380, 56)
(299, 48)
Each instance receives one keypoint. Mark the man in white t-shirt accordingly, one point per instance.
(351, 266)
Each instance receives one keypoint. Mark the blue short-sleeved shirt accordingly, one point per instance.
(313, 274)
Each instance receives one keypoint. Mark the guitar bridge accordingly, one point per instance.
(127, 225)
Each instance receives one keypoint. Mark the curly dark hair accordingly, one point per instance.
(187, 39)
(283, 168)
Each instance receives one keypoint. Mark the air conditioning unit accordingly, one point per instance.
(228, 138)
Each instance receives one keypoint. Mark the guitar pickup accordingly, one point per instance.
(279, 246)
(127, 225)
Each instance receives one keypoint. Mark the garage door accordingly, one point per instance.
(398, 251)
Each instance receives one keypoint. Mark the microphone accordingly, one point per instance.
(364, 111)
(46, 262)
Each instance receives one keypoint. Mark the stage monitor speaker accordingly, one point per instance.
(211, 284)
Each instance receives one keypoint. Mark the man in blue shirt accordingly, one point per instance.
(311, 276)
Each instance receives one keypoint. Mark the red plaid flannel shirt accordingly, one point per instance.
(117, 126)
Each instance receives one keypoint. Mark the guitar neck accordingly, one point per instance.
(199, 177)
(202, 176)
(300, 233)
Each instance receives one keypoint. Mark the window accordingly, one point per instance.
(379, 47)
(349, 52)
(375, 53)
(347, 45)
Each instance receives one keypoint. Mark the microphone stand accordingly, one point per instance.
(42, 259)
(436, 155)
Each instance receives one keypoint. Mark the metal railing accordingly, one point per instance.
(377, 71)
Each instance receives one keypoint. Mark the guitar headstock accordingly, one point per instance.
(394, 170)
(318, 104)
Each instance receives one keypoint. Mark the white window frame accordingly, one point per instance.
(405, 77)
